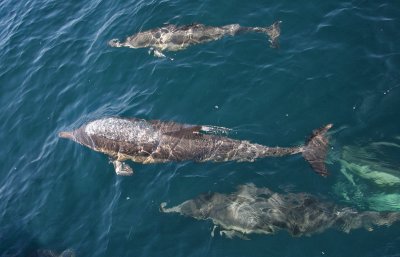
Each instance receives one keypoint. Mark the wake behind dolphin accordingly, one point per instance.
(261, 211)
(157, 141)
(175, 38)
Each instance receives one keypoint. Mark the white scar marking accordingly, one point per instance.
(136, 131)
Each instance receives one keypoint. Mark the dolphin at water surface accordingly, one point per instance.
(175, 38)
(157, 141)
(261, 211)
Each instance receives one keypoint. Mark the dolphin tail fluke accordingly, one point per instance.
(316, 149)
(273, 32)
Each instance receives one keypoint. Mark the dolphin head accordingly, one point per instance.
(141, 40)
(114, 43)
(195, 208)
(198, 208)
(137, 41)
(80, 136)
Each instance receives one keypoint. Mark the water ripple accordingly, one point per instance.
(338, 62)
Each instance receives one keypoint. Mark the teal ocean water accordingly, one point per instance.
(338, 62)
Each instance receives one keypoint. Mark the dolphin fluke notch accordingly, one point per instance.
(316, 148)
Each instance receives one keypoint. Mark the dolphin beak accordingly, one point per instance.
(328, 127)
(66, 134)
(114, 43)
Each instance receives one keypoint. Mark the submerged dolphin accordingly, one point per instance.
(175, 38)
(261, 211)
(157, 141)
(51, 253)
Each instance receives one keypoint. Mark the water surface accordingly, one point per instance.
(338, 63)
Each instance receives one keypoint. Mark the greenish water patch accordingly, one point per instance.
(372, 175)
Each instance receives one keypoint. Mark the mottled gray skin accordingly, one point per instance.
(174, 38)
(51, 253)
(261, 211)
(156, 141)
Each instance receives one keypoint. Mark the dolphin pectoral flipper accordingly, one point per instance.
(158, 53)
(122, 169)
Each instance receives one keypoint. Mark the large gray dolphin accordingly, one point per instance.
(174, 38)
(157, 141)
(261, 211)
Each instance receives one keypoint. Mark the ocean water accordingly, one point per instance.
(338, 62)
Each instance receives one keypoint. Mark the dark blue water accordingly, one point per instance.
(338, 63)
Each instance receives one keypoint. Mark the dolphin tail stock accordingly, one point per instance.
(316, 148)
(273, 32)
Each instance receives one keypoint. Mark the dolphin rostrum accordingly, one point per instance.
(261, 211)
(157, 141)
(175, 38)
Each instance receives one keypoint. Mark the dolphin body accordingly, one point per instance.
(261, 211)
(157, 141)
(51, 253)
(175, 38)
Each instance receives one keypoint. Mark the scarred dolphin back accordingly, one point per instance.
(123, 130)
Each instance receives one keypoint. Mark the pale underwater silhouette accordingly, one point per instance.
(253, 210)
(371, 175)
